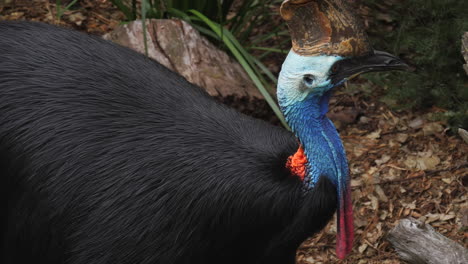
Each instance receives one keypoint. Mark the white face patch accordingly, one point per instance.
(302, 75)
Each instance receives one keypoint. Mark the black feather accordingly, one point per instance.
(108, 157)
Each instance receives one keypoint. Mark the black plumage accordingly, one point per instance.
(108, 157)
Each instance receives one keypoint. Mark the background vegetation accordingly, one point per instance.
(425, 33)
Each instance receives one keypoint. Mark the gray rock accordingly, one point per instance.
(178, 46)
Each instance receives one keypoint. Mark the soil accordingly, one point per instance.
(402, 163)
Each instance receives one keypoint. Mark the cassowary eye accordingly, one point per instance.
(334, 68)
(308, 80)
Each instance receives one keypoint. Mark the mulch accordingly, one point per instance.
(403, 164)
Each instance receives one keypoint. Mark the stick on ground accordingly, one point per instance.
(418, 243)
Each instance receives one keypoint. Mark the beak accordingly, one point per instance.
(346, 69)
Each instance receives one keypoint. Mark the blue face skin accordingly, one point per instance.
(304, 90)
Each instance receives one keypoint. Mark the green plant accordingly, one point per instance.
(60, 10)
(248, 62)
(427, 35)
(233, 30)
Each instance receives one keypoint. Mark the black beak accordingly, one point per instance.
(378, 61)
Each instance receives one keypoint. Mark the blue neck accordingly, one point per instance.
(319, 138)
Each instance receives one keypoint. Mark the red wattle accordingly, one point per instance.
(345, 228)
(297, 163)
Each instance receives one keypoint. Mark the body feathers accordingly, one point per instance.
(108, 157)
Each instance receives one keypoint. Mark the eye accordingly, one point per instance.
(308, 80)
(334, 68)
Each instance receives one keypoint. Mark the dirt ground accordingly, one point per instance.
(403, 164)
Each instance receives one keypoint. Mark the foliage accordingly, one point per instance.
(232, 30)
(427, 35)
(248, 62)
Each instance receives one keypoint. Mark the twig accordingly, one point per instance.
(102, 18)
(370, 244)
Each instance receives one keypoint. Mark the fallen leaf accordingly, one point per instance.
(362, 248)
(383, 215)
(374, 135)
(432, 129)
(422, 161)
(447, 180)
(77, 18)
(374, 202)
(364, 120)
(400, 137)
(359, 222)
(411, 205)
(416, 123)
(384, 159)
(432, 218)
(381, 194)
(446, 217)
(428, 163)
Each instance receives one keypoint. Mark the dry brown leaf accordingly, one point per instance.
(401, 137)
(416, 123)
(77, 18)
(374, 202)
(362, 248)
(383, 159)
(380, 193)
(374, 135)
(411, 205)
(422, 161)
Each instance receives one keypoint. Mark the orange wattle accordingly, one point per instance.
(297, 163)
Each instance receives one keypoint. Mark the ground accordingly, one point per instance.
(403, 164)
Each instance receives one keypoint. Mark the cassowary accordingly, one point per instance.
(108, 157)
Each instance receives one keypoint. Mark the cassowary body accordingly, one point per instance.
(108, 157)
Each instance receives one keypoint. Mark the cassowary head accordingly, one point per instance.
(329, 47)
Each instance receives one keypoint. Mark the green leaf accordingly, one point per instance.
(60, 10)
(270, 49)
(238, 52)
(122, 7)
(144, 7)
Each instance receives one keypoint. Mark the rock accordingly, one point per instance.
(178, 46)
